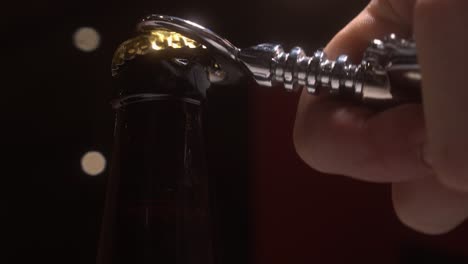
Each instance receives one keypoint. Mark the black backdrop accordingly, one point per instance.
(55, 107)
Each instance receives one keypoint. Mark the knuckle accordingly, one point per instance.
(393, 11)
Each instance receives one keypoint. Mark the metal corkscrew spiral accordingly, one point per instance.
(387, 65)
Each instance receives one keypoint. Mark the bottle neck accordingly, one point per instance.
(161, 193)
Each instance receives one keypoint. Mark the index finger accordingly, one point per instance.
(346, 139)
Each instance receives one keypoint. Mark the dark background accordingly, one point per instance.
(55, 107)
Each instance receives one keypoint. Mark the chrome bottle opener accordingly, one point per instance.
(388, 74)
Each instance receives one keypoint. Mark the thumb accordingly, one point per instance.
(440, 31)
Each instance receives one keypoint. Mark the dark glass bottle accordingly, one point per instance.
(178, 187)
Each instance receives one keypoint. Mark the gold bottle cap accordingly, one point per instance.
(150, 42)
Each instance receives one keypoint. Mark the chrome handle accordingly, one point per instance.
(388, 73)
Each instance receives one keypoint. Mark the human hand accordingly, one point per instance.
(421, 149)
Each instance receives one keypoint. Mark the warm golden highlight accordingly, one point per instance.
(155, 40)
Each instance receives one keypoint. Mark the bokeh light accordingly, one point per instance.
(93, 163)
(86, 39)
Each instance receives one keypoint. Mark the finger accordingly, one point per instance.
(440, 31)
(339, 138)
(349, 140)
(377, 20)
(427, 206)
